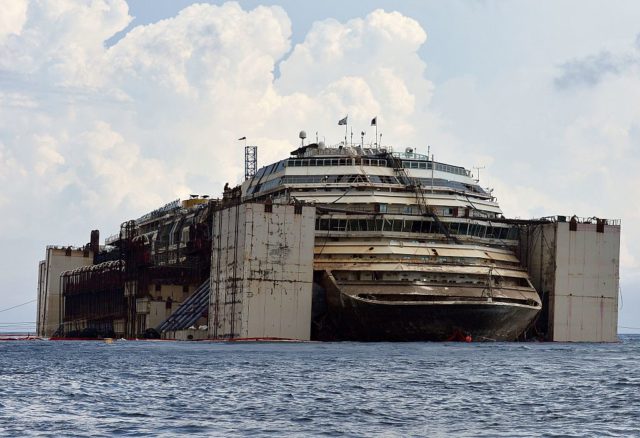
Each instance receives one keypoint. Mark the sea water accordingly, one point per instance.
(146, 388)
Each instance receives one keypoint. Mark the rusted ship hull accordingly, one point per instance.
(412, 317)
(451, 321)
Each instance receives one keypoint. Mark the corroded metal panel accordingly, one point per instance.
(262, 270)
(57, 261)
(587, 280)
(579, 269)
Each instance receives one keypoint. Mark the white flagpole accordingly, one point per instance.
(346, 126)
(377, 145)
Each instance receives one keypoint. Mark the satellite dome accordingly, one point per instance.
(302, 135)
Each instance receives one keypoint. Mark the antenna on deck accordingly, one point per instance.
(478, 168)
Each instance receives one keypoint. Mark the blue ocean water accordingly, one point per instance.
(147, 388)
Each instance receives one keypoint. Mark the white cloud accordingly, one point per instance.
(119, 130)
(371, 63)
(12, 17)
(48, 156)
(61, 40)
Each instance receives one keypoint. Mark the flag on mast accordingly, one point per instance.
(374, 121)
(343, 121)
(242, 138)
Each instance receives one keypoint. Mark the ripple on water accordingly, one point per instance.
(329, 389)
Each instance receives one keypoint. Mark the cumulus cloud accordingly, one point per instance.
(12, 17)
(61, 41)
(120, 129)
(366, 66)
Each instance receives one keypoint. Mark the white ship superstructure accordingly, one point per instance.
(405, 247)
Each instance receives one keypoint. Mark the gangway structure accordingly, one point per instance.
(188, 314)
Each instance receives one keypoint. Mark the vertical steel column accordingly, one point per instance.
(250, 161)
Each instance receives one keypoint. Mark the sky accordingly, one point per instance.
(111, 108)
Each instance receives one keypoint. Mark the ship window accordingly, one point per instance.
(381, 208)
(338, 224)
(463, 228)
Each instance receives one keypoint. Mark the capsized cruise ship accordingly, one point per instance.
(338, 243)
(406, 248)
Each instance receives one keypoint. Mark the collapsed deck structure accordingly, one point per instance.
(340, 243)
